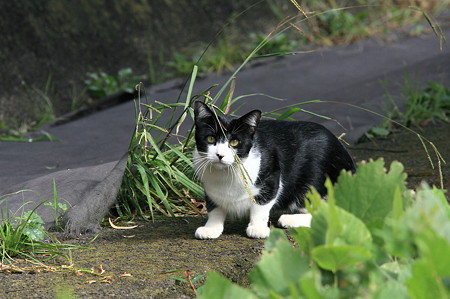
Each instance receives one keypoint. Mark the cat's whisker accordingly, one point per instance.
(201, 169)
(200, 163)
(234, 174)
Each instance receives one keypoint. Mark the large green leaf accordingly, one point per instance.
(432, 211)
(370, 192)
(310, 285)
(279, 269)
(391, 289)
(425, 283)
(334, 258)
(332, 225)
(218, 287)
(33, 226)
(302, 235)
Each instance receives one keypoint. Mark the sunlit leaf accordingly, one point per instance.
(336, 258)
(277, 268)
(371, 191)
(218, 287)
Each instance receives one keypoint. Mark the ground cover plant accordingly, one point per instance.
(26, 245)
(101, 84)
(373, 238)
(42, 113)
(23, 238)
(420, 107)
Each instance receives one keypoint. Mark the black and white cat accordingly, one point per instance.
(281, 161)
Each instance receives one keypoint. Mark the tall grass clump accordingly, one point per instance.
(419, 107)
(422, 106)
(24, 237)
(159, 176)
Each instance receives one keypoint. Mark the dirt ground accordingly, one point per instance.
(405, 146)
(141, 262)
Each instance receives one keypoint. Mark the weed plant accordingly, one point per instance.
(430, 104)
(100, 85)
(23, 237)
(419, 108)
(373, 238)
(42, 111)
(158, 175)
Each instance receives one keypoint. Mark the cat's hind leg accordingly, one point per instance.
(295, 220)
(214, 226)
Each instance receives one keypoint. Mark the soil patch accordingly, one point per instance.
(406, 147)
(151, 254)
(138, 263)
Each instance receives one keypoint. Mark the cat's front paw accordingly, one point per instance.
(258, 231)
(295, 220)
(204, 232)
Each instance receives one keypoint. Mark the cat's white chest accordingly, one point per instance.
(226, 187)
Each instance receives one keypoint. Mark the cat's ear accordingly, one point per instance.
(251, 119)
(202, 111)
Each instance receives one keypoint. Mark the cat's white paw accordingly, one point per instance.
(204, 232)
(295, 220)
(258, 231)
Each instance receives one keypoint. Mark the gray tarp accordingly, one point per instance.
(88, 163)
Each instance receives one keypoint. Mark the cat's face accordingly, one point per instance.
(220, 138)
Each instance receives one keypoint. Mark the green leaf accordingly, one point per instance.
(33, 226)
(288, 113)
(314, 200)
(378, 131)
(436, 251)
(302, 236)
(425, 284)
(370, 192)
(275, 236)
(351, 231)
(278, 268)
(146, 187)
(218, 287)
(334, 258)
(391, 289)
(398, 269)
(428, 220)
(397, 204)
(309, 286)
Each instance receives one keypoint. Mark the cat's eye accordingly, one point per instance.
(211, 139)
(234, 142)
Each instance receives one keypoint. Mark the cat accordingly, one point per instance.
(278, 160)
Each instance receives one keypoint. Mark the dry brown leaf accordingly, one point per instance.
(125, 274)
(130, 236)
(120, 227)
(97, 270)
(106, 279)
(78, 273)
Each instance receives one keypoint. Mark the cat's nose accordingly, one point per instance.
(220, 156)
